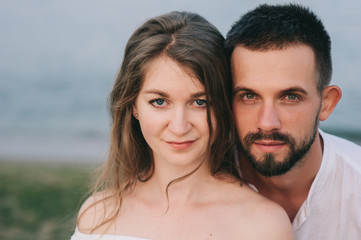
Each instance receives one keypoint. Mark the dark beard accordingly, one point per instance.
(267, 166)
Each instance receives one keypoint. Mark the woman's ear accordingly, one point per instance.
(135, 111)
(330, 97)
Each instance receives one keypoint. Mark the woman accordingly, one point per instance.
(169, 173)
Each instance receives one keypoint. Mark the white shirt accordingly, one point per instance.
(332, 209)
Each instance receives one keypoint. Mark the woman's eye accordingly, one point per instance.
(157, 102)
(200, 102)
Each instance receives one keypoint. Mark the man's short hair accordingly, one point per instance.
(279, 26)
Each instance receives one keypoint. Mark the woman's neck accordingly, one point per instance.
(174, 185)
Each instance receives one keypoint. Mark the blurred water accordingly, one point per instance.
(58, 60)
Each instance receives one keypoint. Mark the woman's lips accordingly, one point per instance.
(181, 145)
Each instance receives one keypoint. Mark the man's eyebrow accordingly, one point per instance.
(288, 90)
(295, 89)
(241, 89)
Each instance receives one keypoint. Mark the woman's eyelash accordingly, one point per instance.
(157, 102)
(160, 103)
(201, 102)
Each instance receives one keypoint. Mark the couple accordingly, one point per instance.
(178, 169)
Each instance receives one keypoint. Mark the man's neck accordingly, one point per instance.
(291, 189)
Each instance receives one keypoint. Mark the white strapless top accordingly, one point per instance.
(82, 236)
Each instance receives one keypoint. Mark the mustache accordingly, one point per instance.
(275, 136)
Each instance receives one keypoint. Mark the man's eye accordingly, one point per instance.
(291, 97)
(248, 96)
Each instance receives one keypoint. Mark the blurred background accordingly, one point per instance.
(58, 61)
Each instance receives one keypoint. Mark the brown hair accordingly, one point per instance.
(195, 44)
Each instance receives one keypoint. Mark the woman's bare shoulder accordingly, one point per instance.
(254, 216)
(94, 210)
(265, 219)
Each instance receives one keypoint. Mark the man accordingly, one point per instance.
(281, 68)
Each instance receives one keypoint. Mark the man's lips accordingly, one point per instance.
(269, 145)
(180, 145)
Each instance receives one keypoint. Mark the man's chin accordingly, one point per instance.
(262, 157)
(268, 165)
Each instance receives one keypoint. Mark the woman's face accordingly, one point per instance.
(171, 109)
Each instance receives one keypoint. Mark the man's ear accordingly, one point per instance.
(330, 97)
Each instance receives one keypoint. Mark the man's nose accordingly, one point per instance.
(268, 118)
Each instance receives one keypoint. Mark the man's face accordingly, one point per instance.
(275, 105)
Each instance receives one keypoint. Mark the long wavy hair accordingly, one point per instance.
(195, 44)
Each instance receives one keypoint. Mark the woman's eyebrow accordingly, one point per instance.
(198, 94)
(164, 94)
(156, 91)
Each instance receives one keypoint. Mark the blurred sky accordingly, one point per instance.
(84, 39)
(86, 36)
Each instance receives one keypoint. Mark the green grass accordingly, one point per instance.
(40, 201)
